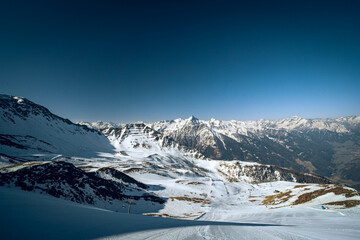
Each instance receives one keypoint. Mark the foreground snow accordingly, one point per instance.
(219, 199)
(27, 215)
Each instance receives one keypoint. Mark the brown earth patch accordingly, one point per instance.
(301, 186)
(130, 170)
(26, 164)
(307, 164)
(306, 197)
(346, 203)
(277, 198)
(86, 167)
(194, 183)
(194, 200)
(323, 185)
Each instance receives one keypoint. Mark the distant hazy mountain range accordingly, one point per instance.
(328, 147)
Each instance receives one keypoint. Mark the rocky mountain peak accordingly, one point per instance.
(193, 120)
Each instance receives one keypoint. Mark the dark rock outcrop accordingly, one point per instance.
(264, 173)
(64, 180)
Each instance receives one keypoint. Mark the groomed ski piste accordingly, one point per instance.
(201, 202)
(26, 215)
(203, 198)
(197, 207)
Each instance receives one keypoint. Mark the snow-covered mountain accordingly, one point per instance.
(329, 147)
(233, 127)
(105, 188)
(100, 124)
(167, 169)
(260, 173)
(137, 137)
(27, 128)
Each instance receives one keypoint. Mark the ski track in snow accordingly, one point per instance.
(44, 217)
(169, 170)
(301, 223)
(229, 215)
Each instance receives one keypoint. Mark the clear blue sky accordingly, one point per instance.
(126, 61)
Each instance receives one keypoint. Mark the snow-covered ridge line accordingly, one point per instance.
(24, 108)
(327, 147)
(139, 138)
(339, 125)
(306, 145)
(27, 128)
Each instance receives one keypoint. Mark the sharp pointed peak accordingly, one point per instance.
(192, 119)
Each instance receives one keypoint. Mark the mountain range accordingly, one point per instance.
(186, 169)
(326, 147)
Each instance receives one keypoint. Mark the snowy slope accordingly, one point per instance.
(104, 188)
(27, 128)
(194, 187)
(328, 147)
(41, 217)
(111, 163)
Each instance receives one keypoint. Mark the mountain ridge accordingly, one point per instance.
(327, 147)
(28, 128)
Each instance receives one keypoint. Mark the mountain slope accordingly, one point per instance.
(46, 218)
(163, 171)
(104, 188)
(141, 139)
(329, 147)
(27, 128)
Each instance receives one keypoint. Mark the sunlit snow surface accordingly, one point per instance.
(221, 210)
(228, 213)
(33, 216)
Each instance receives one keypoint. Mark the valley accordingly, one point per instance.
(174, 178)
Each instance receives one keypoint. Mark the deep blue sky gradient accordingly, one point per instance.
(126, 61)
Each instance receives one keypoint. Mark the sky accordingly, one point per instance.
(126, 61)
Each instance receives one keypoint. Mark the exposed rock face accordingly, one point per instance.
(143, 137)
(64, 180)
(115, 175)
(257, 173)
(328, 147)
(121, 133)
